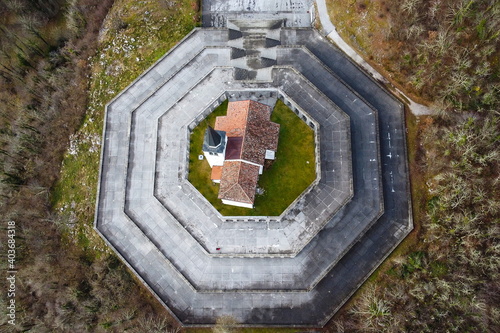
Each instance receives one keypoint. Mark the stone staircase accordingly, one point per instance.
(253, 48)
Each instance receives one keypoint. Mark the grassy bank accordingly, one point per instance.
(105, 296)
(134, 36)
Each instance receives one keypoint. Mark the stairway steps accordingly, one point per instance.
(241, 74)
(234, 34)
(272, 43)
(237, 53)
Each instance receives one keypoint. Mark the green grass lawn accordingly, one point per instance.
(290, 174)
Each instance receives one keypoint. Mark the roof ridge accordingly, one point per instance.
(227, 190)
(246, 127)
(238, 183)
(237, 177)
(245, 193)
(239, 188)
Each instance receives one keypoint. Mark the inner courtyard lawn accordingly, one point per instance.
(283, 180)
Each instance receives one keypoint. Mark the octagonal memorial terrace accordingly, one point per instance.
(295, 269)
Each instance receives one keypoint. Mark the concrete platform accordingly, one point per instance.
(297, 13)
(328, 243)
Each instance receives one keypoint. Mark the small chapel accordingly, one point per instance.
(237, 147)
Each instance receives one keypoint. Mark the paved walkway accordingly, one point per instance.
(143, 188)
(296, 13)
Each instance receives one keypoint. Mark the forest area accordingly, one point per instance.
(445, 54)
(46, 54)
(60, 64)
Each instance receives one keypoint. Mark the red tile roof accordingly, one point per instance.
(250, 121)
(239, 181)
(260, 135)
(234, 123)
(216, 172)
(250, 133)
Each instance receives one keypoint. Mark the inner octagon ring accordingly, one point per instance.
(283, 235)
